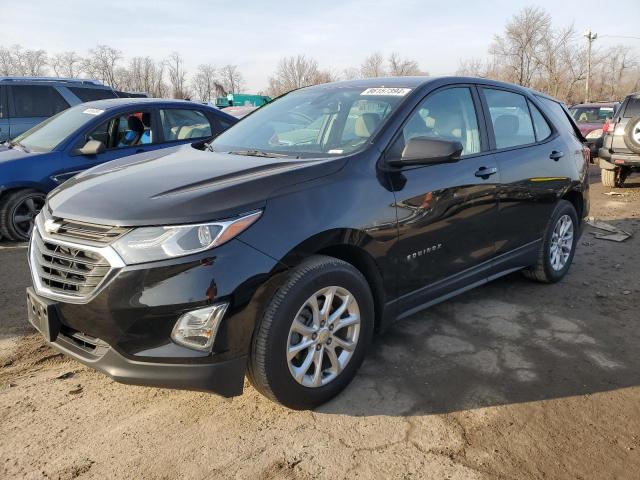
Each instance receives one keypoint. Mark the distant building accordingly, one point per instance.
(242, 100)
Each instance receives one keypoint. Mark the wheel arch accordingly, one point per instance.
(348, 245)
(576, 198)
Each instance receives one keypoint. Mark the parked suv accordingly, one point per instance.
(27, 101)
(320, 218)
(81, 137)
(620, 152)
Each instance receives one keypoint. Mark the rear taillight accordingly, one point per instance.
(586, 154)
(609, 126)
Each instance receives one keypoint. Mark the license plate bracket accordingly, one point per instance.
(42, 315)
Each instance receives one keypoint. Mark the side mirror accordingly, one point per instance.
(425, 151)
(92, 147)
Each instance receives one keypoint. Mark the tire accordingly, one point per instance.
(271, 371)
(610, 177)
(18, 205)
(544, 270)
(632, 135)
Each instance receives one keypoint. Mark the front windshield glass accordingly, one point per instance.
(47, 135)
(591, 114)
(316, 122)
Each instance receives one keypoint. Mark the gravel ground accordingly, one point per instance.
(511, 380)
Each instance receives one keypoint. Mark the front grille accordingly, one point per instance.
(88, 232)
(66, 270)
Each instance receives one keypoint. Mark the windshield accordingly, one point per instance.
(316, 122)
(591, 114)
(47, 135)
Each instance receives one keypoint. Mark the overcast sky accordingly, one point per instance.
(337, 33)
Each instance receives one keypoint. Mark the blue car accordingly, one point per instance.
(87, 135)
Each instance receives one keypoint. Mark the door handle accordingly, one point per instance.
(556, 155)
(140, 150)
(486, 172)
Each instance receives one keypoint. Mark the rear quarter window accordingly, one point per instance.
(91, 94)
(559, 116)
(633, 107)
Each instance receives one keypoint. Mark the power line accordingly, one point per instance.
(620, 36)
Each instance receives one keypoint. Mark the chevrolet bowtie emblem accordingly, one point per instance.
(50, 226)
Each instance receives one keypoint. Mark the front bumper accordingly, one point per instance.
(225, 378)
(128, 323)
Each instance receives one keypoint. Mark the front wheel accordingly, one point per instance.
(18, 210)
(313, 334)
(558, 245)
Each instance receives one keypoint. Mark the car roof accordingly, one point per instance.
(83, 82)
(415, 82)
(110, 103)
(595, 104)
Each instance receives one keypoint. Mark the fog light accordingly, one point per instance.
(197, 329)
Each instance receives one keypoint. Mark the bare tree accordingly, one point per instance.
(177, 76)
(205, 83)
(101, 64)
(231, 79)
(519, 49)
(66, 64)
(373, 66)
(296, 72)
(402, 67)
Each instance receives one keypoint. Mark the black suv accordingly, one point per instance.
(620, 152)
(279, 248)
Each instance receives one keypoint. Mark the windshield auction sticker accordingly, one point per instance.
(93, 111)
(385, 91)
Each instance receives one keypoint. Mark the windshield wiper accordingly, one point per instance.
(258, 153)
(13, 143)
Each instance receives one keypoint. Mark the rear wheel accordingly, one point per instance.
(313, 335)
(17, 213)
(558, 245)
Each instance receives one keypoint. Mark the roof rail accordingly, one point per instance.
(83, 81)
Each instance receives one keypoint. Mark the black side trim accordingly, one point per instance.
(486, 272)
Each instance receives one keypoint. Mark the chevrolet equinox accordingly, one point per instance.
(277, 249)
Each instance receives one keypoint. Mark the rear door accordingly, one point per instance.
(185, 125)
(31, 104)
(447, 212)
(532, 158)
(4, 115)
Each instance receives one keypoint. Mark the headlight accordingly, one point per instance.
(147, 244)
(594, 134)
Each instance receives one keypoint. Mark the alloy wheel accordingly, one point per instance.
(25, 213)
(561, 242)
(323, 336)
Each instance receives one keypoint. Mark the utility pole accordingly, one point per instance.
(590, 36)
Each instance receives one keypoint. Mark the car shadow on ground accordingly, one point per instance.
(510, 341)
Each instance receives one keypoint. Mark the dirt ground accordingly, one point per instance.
(512, 380)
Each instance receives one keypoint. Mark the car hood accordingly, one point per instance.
(12, 154)
(179, 185)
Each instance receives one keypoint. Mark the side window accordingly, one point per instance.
(633, 107)
(512, 125)
(37, 101)
(558, 113)
(539, 123)
(183, 124)
(128, 130)
(90, 94)
(446, 115)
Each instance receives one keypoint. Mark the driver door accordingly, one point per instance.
(447, 212)
(123, 134)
